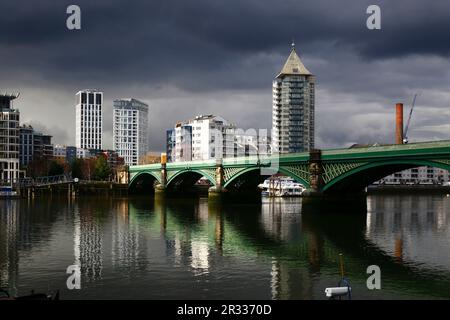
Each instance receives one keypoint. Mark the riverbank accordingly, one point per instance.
(89, 188)
(395, 189)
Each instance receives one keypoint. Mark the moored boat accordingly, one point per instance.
(7, 192)
(281, 186)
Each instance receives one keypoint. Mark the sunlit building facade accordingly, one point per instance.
(9, 140)
(89, 119)
(293, 107)
(130, 132)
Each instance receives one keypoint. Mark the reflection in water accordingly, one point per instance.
(200, 255)
(413, 229)
(128, 244)
(281, 217)
(200, 247)
(281, 221)
(88, 241)
(9, 255)
(166, 248)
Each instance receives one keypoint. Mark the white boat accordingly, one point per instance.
(281, 186)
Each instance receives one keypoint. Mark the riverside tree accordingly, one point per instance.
(102, 170)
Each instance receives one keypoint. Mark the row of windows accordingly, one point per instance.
(129, 139)
(9, 155)
(86, 110)
(122, 113)
(89, 137)
(126, 126)
(126, 152)
(89, 117)
(92, 145)
(11, 165)
(5, 116)
(124, 121)
(97, 130)
(93, 98)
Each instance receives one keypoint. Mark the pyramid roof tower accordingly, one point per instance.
(293, 65)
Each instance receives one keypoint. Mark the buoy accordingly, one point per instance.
(337, 291)
(343, 288)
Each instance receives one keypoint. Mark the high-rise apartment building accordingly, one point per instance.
(26, 149)
(42, 146)
(130, 129)
(9, 140)
(34, 145)
(170, 144)
(183, 143)
(293, 107)
(89, 119)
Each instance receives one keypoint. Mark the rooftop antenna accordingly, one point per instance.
(293, 44)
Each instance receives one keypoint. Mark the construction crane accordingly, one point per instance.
(405, 134)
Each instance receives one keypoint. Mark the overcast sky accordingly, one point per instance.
(189, 57)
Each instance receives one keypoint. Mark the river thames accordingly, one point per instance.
(141, 248)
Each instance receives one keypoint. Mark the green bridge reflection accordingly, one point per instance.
(161, 247)
(302, 245)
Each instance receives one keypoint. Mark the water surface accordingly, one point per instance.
(189, 249)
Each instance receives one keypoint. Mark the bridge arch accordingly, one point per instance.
(298, 179)
(247, 174)
(253, 171)
(188, 177)
(360, 177)
(143, 182)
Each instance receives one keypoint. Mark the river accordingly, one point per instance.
(145, 248)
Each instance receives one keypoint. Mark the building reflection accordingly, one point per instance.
(216, 216)
(128, 243)
(88, 241)
(9, 251)
(185, 233)
(406, 227)
(288, 282)
(199, 257)
(202, 211)
(24, 225)
(281, 220)
(281, 217)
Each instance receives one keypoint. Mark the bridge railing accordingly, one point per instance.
(43, 181)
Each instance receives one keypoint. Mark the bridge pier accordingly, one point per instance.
(217, 192)
(161, 188)
(315, 173)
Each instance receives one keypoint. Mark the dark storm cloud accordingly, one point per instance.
(197, 56)
(169, 40)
